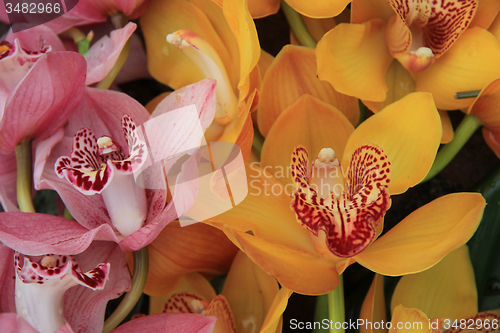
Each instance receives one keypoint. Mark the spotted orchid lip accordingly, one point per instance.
(89, 171)
(41, 283)
(349, 220)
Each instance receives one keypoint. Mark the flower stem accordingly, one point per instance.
(463, 133)
(24, 177)
(141, 267)
(297, 25)
(336, 307)
(321, 312)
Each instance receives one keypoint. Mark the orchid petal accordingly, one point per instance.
(250, 292)
(101, 56)
(36, 37)
(319, 8)
(169, 323)
(310, 123)
(7, 283)
(411, 154)
(472, 62)
(177, 251)
(486, 12)
(425, 236)
(448, 133)
(366, 10)
(259, 8)
(8, 181)
(438, 290)
(351, 52)
(85, 308)
(419, 321)
(36, 110)
(12, 323)
(373, 308)
(291, 75)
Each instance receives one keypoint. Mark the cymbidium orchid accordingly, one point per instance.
(127, 213)
(199, 39)
(250, 301)
(44, 290)
(384, 156)
(441, 299)
(407, 46)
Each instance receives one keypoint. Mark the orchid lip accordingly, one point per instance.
(348, 219)
(99, 166)
(41, 284)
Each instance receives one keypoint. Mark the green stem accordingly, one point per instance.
(24, 177)
(297, 25)
(362, 112)
(258, 142)
(463, 133)
(321, 312)
(336, 307)
(108, 80)
(141, 266)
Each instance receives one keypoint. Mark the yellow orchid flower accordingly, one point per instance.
(319, 8)
(259, 8)
(440, 299)
(266, 229)
(404, 46)
(187, 41)
(251, 300)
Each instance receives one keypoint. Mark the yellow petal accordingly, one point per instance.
(164, 17)
(399, 83)
(486, 12)
(472, 62)
(448, 133)
(409, 132)
(425, 236)
(295, 269)
(193, 283)
(319, 8)
(245, 139)
(250, 292)
(242, 26)
(446, 290)
(220, 309)
(366, 10)
(310, 123)
(373, 308)
(409, 320)
(181, 250)
(291, 75)
(266, 212)
(152, 104)
(262, 8)
(318, 27)
(354, 59)
(495, 27)
(272, 323)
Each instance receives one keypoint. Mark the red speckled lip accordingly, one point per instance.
(89, 171)
(349, 220)
(64, 266)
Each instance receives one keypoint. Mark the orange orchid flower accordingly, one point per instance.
(187, 41)
(251, 300)
(301, 258)
(440, 299)
(404, 46)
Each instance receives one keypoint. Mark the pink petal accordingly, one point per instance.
(8, 182)
(3, 13)
(36, 38)
(7, 279)
(44, 99)
(101, 57)
(169, 323)
(83, 308)
(201, 94)
(12, 323)
(135, 66)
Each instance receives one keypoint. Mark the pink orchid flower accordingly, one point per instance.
(111, 185)
(158, 323)
(53, 292)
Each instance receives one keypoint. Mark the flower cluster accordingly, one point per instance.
(123, 123)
